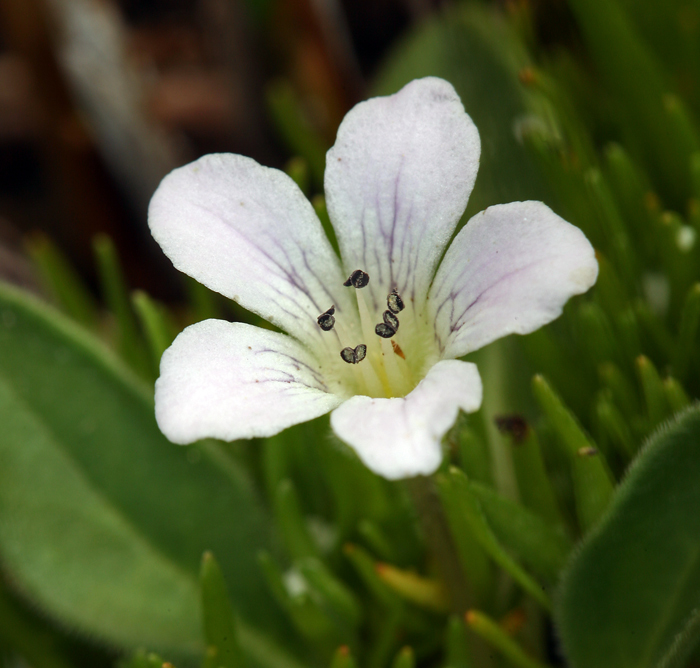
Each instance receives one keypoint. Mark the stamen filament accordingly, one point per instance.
(374, 351)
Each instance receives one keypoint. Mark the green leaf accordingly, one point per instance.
(116, 294)
(290, 518)
(638, 83)
(343, 659)
(495, 636)
(405, 658)
(294, 128)
(142, 659)
(630, 596)
(534, 485)
(220, 633)
(593, 483)
(542, 547)
(103, 521)
(688, 332)
(333, 594)
(63, 280)
(653, 388)
(456, 490)
(28, 635)
(456, 644)
(156, 323)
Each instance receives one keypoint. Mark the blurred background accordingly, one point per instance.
(99, 99)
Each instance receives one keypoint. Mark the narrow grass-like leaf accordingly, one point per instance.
(404, 659)
(366, 569)
(541, 546)
(67, 287)
(116, 295)
(622, 389)
(495, 636)
(474, 455)
(657, 407)
(593, 483)
(687, 332)
(292, 523)
(295, 129)
(676, 396)
(343, 658)
(156, 324)
(456, 486)
(335, 595)
(458, 654)
(614, 426)
(425, 592)
(534, 485)
(220, 633)
(473, 557)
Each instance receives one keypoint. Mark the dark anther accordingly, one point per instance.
(354, 356)
(391, 320)
(358, 279)
(384, 330)
(394, 302)
(515, 425)
(326, 320)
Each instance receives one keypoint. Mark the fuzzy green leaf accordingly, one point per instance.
(630, 596)
(103, 521)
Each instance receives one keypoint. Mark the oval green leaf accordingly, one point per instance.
(103, 522)
(632, 592)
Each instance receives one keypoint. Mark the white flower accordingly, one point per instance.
(397, 181)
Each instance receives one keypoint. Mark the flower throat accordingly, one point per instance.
(386, 374)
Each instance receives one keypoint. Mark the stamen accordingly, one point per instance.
(326, 320)
(384, 330)
(394, 302)
(353, 356)
(358, 279)
(397, 349)
(391, 320)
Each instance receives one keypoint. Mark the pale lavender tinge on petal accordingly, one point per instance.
(231, 380)
(248, 232)
(400, 437)
(397, 181)
(509, 271)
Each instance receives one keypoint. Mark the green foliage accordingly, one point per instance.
(630, 595)
(464, 509)
(220, 633)
(126, 515)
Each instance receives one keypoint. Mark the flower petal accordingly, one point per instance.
(510, 270)
(400, 438)
(248, 232)
(397, 181)
(232, 380)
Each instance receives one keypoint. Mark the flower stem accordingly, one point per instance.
(439, 540)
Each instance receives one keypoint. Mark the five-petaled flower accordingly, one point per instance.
(373, 338)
